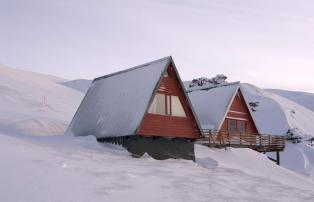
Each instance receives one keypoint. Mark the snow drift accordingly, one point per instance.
(32, 103)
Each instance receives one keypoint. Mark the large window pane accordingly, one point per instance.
(176, 107)
(232, 126)
(241, 126)
(158, 105)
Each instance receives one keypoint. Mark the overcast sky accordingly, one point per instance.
(269, 43)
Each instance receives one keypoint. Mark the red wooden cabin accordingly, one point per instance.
(145, 108)
(227, 120)
(223, 108)
(238, 118)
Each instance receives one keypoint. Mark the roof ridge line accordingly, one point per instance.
(132, 68)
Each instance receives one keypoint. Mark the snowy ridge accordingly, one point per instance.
(282, 111)
(35, 103)
(302, 98)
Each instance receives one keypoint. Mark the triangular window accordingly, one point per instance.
(158, 105)
(167, 105)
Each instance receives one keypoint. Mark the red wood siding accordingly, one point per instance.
(239, 110)
(166, 125)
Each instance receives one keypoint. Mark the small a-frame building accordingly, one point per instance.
(223, 108)
(226, 119)
(144, 108)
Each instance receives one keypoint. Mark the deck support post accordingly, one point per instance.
(278, 158)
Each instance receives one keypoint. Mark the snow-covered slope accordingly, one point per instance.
(35, 103)
(275, 115)
(64, 168)
(302, 98)
(81, 85)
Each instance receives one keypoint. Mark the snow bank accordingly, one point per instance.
(32, 103)
(64, 168)
(299, 158)
(251, 162)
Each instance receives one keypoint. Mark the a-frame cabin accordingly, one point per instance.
(238, 118)
(223, 108)
(226, 119)
(144, 108)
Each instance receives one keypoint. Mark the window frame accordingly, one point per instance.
(168, 106)
(181, 106)
(235, 126)
(244, 125)
(152, 111)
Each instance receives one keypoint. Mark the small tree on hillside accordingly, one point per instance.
(292, 136)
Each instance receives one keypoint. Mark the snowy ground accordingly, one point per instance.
(35, 103)
(60, 168)
(39, 164)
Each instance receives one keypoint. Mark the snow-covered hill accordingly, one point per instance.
(275, 115)
(302, 98)
(32, 103)
(63, 168)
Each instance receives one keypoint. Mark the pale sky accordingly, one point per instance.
(269, 43)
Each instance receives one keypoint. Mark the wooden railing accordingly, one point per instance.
(257, 142)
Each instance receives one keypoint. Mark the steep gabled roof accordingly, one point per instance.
(212, 103)
(115, 104)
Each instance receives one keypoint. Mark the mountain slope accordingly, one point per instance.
(35, 103)
(275, 115)
(302, 98)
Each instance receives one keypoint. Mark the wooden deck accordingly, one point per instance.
(258, 142)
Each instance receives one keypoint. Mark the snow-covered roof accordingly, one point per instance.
(212, 103)
(116, 103)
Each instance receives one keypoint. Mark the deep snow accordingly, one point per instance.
(35, 103)
(63, 168)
